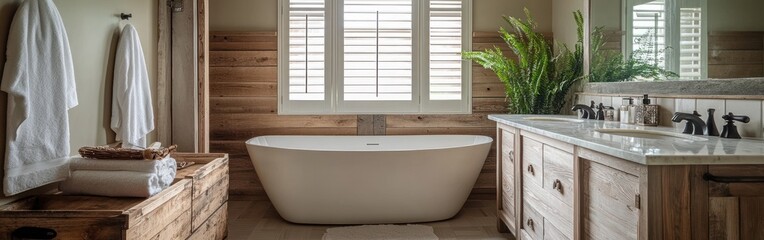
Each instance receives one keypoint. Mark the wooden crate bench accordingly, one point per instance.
(193, 207)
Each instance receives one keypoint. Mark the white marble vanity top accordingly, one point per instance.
(647, 151)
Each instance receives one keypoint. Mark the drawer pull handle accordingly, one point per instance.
(33, 233)
(511, 155)
(530, 170)
(712, 178)
(557, 185)
(530, 224)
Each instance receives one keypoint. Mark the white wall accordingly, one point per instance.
(260, 15)
(564, 25)
(92, 27)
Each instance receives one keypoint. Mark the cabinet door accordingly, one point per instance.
(507, 174)
(736, 206)
(609, 202)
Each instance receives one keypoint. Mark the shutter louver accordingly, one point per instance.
(377, 45)
(690, 60)
(445, 49)
(649, 31)
(307, 50)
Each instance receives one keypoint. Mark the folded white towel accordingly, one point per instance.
(112, 183)
(165, 169)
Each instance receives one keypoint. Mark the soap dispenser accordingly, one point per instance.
(624, 114)
(647, 113)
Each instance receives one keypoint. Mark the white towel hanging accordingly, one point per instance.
(39, 80)
(132, 114)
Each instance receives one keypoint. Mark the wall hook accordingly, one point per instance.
(125, 16)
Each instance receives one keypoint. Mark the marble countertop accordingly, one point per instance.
(648, 151)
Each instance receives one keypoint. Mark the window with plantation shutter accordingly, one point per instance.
(373, 56)
(445, 49)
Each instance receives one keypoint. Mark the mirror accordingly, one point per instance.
(646, 40)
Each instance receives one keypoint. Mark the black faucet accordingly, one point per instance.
(586, 111)
(693, 120)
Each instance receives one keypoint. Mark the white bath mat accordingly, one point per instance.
(386, 232)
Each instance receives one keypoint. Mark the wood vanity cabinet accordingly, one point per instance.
(549, 189)
(506, 192)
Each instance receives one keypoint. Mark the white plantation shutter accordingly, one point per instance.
(691, 43)
(307, 50)
(445, 49)
(649, 30)
(374, 56)
(378, 50)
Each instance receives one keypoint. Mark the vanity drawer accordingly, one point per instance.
(532, 161)
(558, 174)
(532, 221)
(552, 209)
(552, 233)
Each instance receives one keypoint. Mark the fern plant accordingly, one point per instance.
(538, 79)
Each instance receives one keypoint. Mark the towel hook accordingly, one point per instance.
(125, 16)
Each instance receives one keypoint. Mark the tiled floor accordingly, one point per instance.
(259, 220)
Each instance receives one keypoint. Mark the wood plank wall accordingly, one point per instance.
(243, 100)
(735, 54)
(730, 54)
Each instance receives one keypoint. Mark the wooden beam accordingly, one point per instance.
(164, 71)
(203, 83)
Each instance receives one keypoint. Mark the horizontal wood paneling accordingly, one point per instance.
(242, 58)
(243, 74)
(243, 86)
(735, 54)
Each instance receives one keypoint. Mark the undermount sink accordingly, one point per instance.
(554, 119)
(638, 133)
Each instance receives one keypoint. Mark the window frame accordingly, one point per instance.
(333, 76)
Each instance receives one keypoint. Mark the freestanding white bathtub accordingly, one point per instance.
(368, 179)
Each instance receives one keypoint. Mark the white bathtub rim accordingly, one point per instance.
(479, 140)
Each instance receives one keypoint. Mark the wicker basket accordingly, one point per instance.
(116, 153)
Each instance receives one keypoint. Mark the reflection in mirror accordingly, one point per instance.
(644, 40)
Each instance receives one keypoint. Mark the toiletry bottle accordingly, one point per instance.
(632, 111)
(623, 110)
(647, 113)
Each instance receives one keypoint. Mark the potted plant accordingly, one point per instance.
(539, 79)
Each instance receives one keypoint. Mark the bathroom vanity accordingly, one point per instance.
(565, 178)
(193, 207)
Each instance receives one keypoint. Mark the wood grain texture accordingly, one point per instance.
(735, 54)
(699, 202)
(164, 74)
(676, 197)
(532, 220)
(608, 202)
(215, 227)
(751, 217)
(532, 157)
(505, 178)
(558, 174)
(203, 76)
(723, 219)
(184, 64)
(242, 58)
(149, 217)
